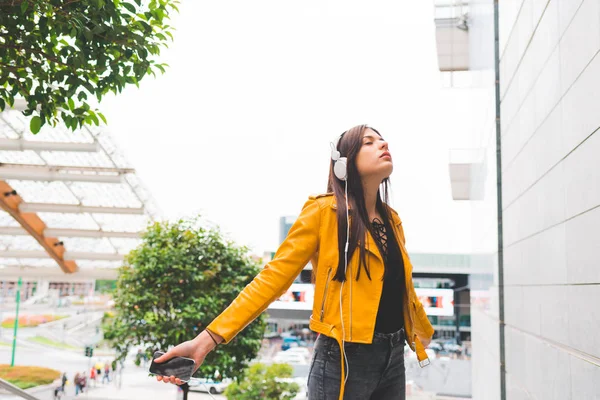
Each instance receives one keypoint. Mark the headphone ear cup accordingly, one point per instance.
(340, 168)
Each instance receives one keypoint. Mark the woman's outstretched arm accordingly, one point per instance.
(275, 278)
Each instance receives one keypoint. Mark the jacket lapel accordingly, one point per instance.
(370, 245)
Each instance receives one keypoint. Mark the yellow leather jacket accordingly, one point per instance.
(314, 237)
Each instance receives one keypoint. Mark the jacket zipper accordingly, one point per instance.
(414, 335)
(325, 295)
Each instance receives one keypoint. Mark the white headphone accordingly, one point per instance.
(340, 168)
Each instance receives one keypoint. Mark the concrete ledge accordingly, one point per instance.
(36, 389)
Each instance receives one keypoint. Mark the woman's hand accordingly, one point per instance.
(197, 349)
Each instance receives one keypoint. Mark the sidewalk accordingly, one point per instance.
(136, 384)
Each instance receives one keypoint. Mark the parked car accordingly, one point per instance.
(452, 346)
(300, 350)
(287, 357)
(435, 346)
(292, 341)
(208, 385)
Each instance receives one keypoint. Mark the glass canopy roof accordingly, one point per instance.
(68, 198)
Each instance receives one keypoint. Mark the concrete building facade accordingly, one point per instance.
(542, 211)
(549, 83)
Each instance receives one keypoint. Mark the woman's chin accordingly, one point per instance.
(388, 171)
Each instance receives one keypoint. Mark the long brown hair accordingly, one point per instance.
(349, 145)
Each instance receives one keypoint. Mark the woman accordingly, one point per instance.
(365, 305)
(77, 382)
(93, 375)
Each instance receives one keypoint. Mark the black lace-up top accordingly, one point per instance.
(390, 315)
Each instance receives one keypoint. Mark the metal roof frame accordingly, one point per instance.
(70, 191)
(9, 202)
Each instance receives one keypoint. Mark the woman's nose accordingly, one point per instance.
(383, 145)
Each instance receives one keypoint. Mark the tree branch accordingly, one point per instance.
(11, 67)
(66, 4)
(13, 3)
(36, 51)
(16, 3)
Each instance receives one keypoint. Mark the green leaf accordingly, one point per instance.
(89, 48)
(35, 124)
(102, 117)
(94, 118)
(129, 7)
(97, 30)
(89, 87)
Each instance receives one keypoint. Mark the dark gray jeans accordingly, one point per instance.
(376, 371)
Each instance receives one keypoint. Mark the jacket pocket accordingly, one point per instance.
(322, 315)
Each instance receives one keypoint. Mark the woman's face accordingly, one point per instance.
(374, 160)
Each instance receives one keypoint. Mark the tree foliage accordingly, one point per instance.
(56, 54)
(174, 284)
(262, 382)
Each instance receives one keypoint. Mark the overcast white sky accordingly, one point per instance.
(238, 129)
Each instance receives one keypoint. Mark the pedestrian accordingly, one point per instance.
(106, 375)
(141, 357)
(83, 382)
(77, 382)
(63, 381)
(58, 392)
(138, 357)
(98, 367)
(365, 305)
(93, 375)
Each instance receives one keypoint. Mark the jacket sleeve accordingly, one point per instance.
(423, 327)
(276, 277)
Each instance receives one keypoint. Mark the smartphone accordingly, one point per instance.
(180, 367)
